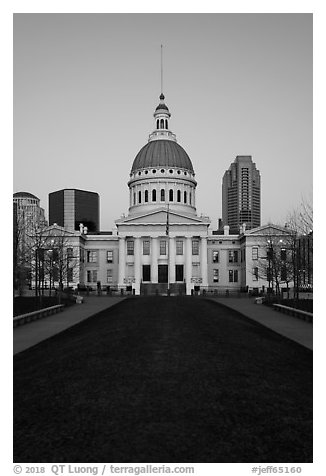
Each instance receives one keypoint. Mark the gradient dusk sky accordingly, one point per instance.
(86, 87)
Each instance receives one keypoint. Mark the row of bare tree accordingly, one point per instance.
(289, 255)
(43, 258)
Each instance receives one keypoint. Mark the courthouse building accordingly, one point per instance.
(162, 245)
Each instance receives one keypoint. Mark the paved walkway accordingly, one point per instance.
(34, 332)
(291, 327)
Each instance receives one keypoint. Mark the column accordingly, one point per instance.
(154, 259)
(203, 260)
(138, 271)
(188, 263)
(122, 260)
(171, 259)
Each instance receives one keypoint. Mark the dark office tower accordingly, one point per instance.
(241, 194)
(70, 207)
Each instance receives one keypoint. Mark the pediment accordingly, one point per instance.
(57, 230)
(159, 217)
(269, 229)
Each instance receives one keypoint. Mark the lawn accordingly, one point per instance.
(163, 379)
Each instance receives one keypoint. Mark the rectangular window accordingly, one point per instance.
(92, 256)
(233, 256)
(92, 276)
(146, 272)
(195, 247)
(179, 247)
(233, 276)
(255, 273)
(109, 276)
(215, 256)
(81, 256)
(109, 256)
(254, 252)
(70, 252)
(215, 275)
(163, 247)
(283, 255)
(146, 247)
(130, 247)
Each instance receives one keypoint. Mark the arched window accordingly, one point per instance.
(139, 196)
(166, 123)
(153, 195)
(171, 195)
(146, 196)
(157, 124)
(162, 124)
(179, 196)
(185, 197)
(190, 198)
(162, 195)
(134, 198)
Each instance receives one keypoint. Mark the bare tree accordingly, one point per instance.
(300, 223)
(275, 261)
(52, 259)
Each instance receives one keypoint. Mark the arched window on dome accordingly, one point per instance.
(134, 198)
(139, 196)
(157, 124)
(171, 195)
(146, 196)
(179, 196)
(166, 123)
(162, 124)
(162, 195)
(190, 198)
(154, 195)
(185, 197)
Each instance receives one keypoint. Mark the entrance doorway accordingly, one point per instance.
(146, 272)
(162, 273)
(179, 272)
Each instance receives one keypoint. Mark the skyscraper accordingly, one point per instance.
(28, 219)
(28, 215)
(70, 207)
(241, 202)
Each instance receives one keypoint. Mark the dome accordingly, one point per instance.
(162, 106)
(162, 153)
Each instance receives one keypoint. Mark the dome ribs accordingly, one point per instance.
(162, 153)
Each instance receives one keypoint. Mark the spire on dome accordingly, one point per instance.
(162, 95)
(162, 115)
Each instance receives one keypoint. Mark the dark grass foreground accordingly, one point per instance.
(164, 380)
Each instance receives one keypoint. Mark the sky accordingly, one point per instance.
(85, 87)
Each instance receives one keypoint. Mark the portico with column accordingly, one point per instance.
(152, 227)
